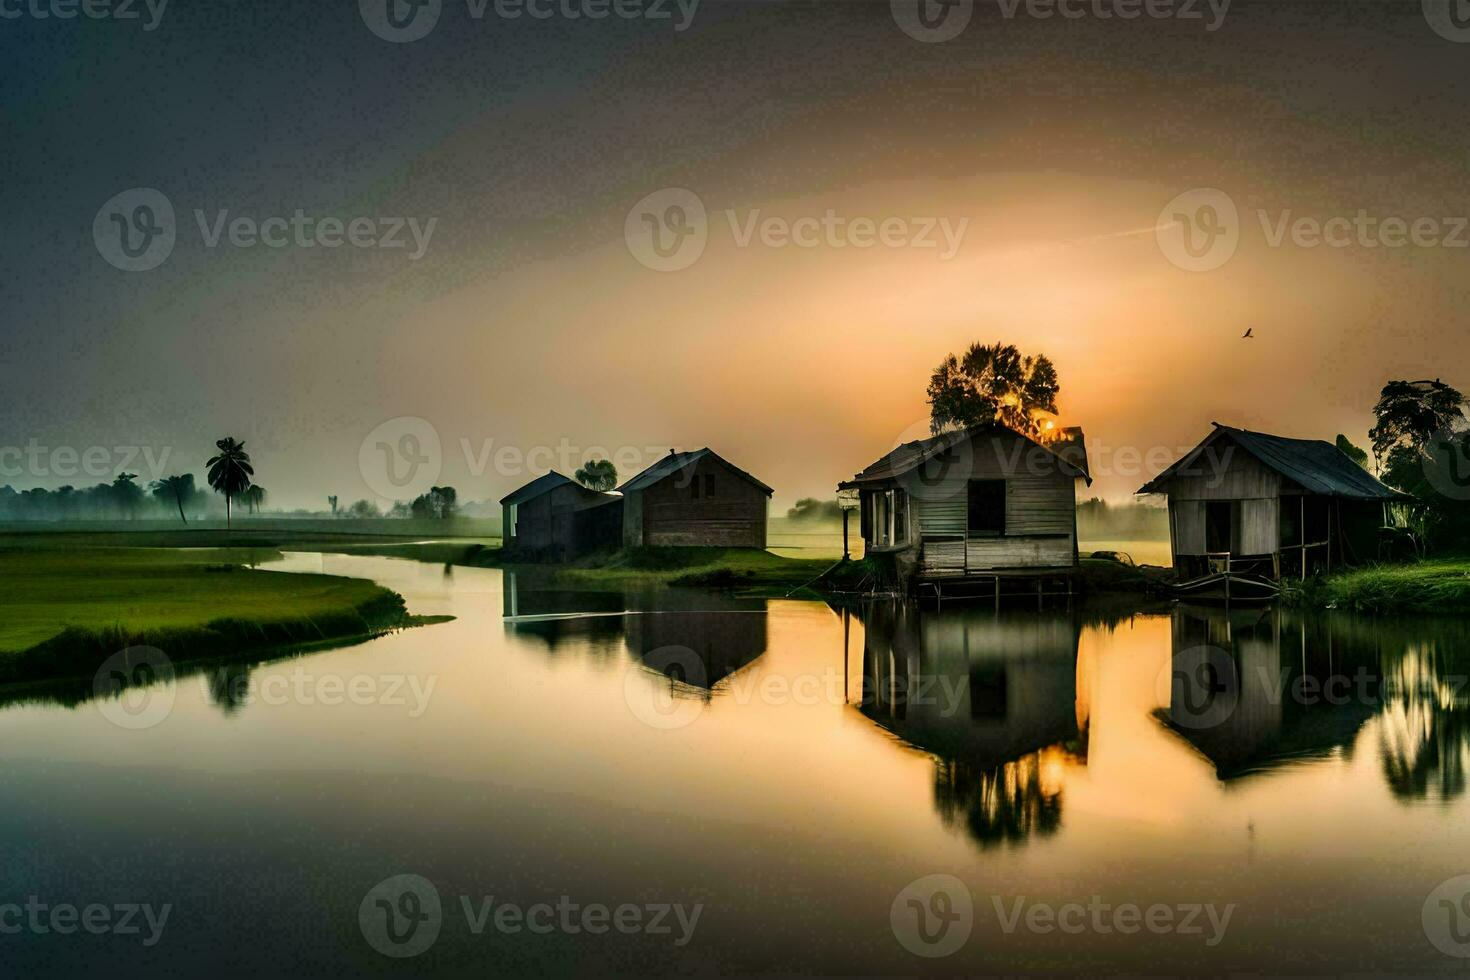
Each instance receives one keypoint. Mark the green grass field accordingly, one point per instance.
(1441, 586)
(64, 610)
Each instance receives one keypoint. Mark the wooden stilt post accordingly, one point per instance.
(845, 553)
(1303, 499)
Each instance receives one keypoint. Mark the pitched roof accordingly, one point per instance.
(673, 463)
(1069, 448)
(538, 486)
(1314, 465)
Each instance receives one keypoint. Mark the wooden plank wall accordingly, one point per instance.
(735, 517)
(1040, 500)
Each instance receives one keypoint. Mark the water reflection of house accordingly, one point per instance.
(698, 648)
(696, 638)
(993, 697)
(1256, 689)
(1250, 502)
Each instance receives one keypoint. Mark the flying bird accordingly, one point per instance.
(1249, 334)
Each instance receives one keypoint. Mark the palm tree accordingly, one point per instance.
(254, 497)
(333, 501)
(598, 474)
(175, 488)
(230, 471)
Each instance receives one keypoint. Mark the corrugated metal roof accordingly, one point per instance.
(1314, 465)
(673, 463)
(535, 488)
(1070, 448)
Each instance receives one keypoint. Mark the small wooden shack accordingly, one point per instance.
(980, 503)
(553, 518)
(695, 498)
(1248, 503)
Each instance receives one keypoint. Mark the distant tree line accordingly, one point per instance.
(122, 499)
(812, 509)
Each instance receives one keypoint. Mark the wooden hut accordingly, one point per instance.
(981, 503)
(1249, 503)
(693, 499)
(553, 518)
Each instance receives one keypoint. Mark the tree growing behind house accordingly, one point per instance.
(810, 509)
(597, 474)
(993, 384)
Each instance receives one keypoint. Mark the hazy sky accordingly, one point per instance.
(1047, 147)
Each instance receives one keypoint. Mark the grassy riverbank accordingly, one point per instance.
(1441, 586)
(66, 610)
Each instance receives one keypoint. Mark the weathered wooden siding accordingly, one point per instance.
(940, 558)
(1041, 500)
(982, 554)
(943, 515)
(1260, 526)
(633, 520)
(1188, 520)
(735, 517)
(1225, 472)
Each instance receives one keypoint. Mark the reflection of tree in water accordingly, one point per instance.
(1003, 804)
(229, 687)
(1424, 734)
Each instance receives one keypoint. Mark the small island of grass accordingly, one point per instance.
(68, 610)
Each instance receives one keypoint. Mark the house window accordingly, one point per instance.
(701, 485)
(888, 518)
(987, 508)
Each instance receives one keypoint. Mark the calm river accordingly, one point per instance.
(556, 782)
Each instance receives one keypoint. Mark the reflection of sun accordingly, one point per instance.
(1052, 769)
